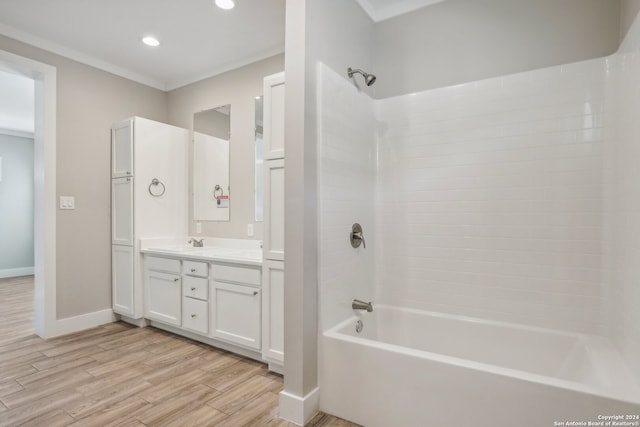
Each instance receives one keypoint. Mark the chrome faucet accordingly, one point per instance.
(197, 243)
(356, 304)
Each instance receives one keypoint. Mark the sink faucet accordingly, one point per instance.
(197, 243)
(356, 304)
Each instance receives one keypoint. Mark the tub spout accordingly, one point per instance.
(356, 304)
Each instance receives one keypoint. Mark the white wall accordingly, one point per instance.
(622, 207)
(490, 197)
(346, 183)
(461, 41)
(16, 206)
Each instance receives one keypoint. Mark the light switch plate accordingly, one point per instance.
(198, 228)
(250, 230)
(67, 202)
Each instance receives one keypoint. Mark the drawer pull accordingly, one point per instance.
(193, 270)
(255, 293)
(193, 289)
(176, 279)
(193, 316)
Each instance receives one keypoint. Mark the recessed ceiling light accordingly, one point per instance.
(226, 4)
(150, 41)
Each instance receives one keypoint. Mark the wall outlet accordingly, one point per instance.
(250, 230)
(198, 228)
(67, 202)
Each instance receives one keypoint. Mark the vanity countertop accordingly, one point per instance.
(247, 254)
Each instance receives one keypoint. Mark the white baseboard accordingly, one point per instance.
(81, 322)
(299, 410)
(16, 272)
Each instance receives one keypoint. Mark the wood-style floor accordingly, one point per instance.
(119, 375)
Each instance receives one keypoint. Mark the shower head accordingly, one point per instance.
(369, 79)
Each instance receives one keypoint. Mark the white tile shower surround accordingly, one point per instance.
(487, 199)
(490, 195)
(622, 207)
(346, 195)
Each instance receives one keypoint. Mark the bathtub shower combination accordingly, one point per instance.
(499, 218)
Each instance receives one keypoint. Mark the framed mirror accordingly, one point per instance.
(211, 137)
(259, 156)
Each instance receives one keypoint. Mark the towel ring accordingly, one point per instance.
(215, 192)
(156, 182)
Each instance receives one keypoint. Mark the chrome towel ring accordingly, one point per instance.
(155, 182)
(216, 190)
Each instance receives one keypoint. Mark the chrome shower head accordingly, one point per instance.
(369, 79)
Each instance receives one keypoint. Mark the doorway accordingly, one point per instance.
(44, 151)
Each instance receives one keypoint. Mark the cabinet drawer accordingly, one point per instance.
(237, 274)
(195, 315)
(162, 264)
(195, 287)
(195, 268)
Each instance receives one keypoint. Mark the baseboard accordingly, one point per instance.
(299, 410)
(16, 272)
(79, 323)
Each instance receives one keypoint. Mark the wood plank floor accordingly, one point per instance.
(119, 375)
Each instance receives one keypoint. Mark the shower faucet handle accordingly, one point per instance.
(356, 237)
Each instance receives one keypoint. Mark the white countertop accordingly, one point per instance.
(238, 251)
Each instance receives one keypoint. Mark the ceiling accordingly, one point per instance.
(379, 10)
(198, 40)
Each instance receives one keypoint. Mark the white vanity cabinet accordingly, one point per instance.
(163, 290)
(195, 296)
(236, 304)
(212, 300)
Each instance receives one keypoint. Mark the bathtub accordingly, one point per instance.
(416, 368)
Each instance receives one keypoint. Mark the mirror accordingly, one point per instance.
(211, 134)
(259, 156)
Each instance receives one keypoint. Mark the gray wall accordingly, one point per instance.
(466, 40)
(16, 203)
(89, 101)
(628, 12)
(238, 88)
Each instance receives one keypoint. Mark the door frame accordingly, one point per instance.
(44, 76)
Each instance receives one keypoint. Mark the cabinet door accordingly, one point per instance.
(274, 210)
(122, 211)
(163, 298)
(273, 129)
(273, 311)
(122, 149)
(122, 280)
(236, 314)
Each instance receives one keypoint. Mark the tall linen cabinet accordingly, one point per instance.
(149, 199)
(273, 243)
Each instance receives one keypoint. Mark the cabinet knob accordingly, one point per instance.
(255, 293)
(193, 316)
(193, 289)
(176, 279)
(193, 270)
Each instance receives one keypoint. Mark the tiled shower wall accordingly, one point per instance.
(346, 189)
(490, 197)
(622, 203)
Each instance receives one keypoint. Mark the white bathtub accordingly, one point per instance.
(416, 368)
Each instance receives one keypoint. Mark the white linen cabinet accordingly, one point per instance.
(148, 200)
(273, 245)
